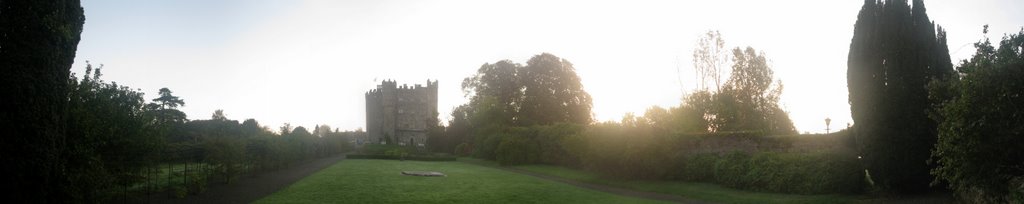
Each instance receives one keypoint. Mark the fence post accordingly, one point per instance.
(185, 178)
(170, 171)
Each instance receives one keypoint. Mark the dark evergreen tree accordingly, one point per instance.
(893, 55)
(38, 40)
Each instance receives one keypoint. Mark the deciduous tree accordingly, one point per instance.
(981, 133)
(110, 136)
(749, 101)
(552, 93)
(710, 59)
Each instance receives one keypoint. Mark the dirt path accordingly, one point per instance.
(248, 189)
(609, 189)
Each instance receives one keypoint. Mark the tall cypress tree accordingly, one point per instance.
(893, 55)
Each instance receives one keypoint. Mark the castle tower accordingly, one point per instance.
(400, 115)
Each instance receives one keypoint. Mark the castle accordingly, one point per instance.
(400, 114)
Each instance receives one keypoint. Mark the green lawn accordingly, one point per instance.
(697, 191)
(380, 181)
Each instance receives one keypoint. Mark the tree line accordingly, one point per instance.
(540, 113)
(116, 139)
(546, 91)
(80, 139)
(921, 123)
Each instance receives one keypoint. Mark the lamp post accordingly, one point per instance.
(827, 122)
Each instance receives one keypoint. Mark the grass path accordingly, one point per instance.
(380, 181)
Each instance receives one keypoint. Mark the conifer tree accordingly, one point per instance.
(38, 40)
(895, 52)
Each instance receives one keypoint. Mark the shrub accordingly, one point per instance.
(379, 151)
(396, 152)
(375, 148)
(225, 155)
(731, 170)
(392, 150)
(980, 133)
(698, 167)
(625, 152)
(552, 141)
(803, 173)
(517, 150)
(180, 192)
(463, 149)
(408, 157)
(197, 184)
(487, 145)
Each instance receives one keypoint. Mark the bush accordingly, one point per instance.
(698, 167)
(731, 170)
(487, 145)
(552, 141)
(179, 191)
(980, 133)
(439, 157)
(197, 183)
(542, 144)
(392, 150)
(463, 149)
(802, 173)
(225, 155)
(517, 150)
(395, 152)
(626, 152)
(745, 160)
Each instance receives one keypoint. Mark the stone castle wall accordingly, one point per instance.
(400, 114)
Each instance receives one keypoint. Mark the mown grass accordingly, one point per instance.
(698, 191)
(380, 181)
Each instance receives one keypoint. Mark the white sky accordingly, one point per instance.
(309, 62)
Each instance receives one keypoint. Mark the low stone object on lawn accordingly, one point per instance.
(423, 173)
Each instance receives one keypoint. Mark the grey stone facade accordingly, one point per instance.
(400, 114)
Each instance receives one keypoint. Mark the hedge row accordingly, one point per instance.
(399, 157)
(802, 173)
(803, 164)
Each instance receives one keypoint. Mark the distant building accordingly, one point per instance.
(400, 115)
